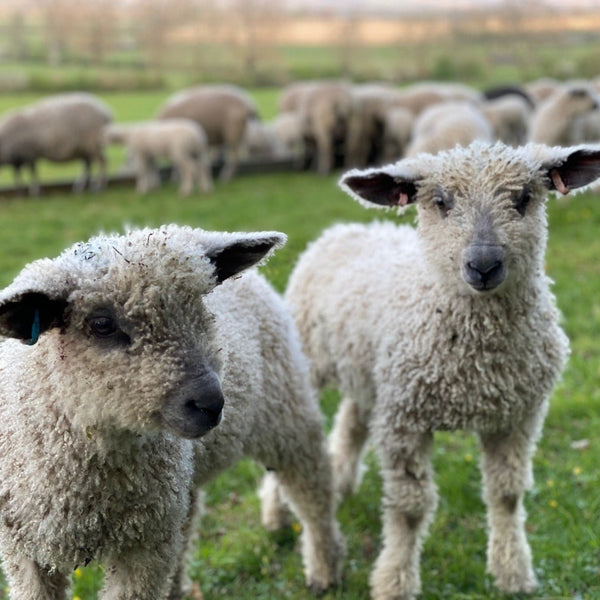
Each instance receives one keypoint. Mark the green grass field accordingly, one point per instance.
(235, 557)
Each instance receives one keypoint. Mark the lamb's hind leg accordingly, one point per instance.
(304, 478)
(409, 503)
(507, 474)
(346, 443)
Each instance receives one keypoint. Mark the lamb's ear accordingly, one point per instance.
(380, 187)
(26, 315)
(236, 252)
(580, 167)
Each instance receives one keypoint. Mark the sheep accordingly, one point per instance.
(288, 128)
(449, 326)
(325, 110)
(442, 126)
(58, 128)
(262, 142)
(553, 122)
(223, 111)
(509, 116)
(137, 367)
(397, 130)
(180, 141)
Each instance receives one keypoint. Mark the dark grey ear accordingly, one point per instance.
(379, 187)
(238, 252)
(26, 316)
(580, 168)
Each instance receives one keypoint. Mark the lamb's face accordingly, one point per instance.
(482, 231)
(118, 325)
(481, 208)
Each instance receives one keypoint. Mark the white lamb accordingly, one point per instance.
(449, 326)
(181, 142)
(123, 352)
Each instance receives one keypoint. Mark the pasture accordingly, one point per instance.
(234, 557)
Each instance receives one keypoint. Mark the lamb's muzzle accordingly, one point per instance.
(483, 266)
(197, 407)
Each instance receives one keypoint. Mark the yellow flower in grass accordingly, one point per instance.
(78, 573)
(553, 504)
(550, 482)
(577, 471)
(296, 527)
(468, 457)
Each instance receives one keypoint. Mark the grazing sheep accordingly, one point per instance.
(288, 128)
(443, 126)
(449, 326)
(509, 117)
(181, 142)
(554, 120)
(122, 353)
(325, 110)
(397, 130)
(223, 111)
(262, 142)
(59, 128)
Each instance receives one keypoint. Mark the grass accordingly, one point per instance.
(235, 557)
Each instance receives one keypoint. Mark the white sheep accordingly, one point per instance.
(181, 142)
(449, 326)
(122, 352)
(58, 128)
(262, 142)
(223, 111)
(398, 125)
(554, 121)
(509, 116)
(444, 125)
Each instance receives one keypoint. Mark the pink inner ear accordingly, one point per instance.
(402, 199)
(558, 182)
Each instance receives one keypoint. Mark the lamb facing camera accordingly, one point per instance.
(448, 326)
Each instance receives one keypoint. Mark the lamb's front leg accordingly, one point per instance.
(142, 574)
(28, 581)
(507, 474)
(409, 503)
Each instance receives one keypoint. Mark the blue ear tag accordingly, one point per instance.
(35, 328)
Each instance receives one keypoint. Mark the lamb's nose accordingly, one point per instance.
(483, 266)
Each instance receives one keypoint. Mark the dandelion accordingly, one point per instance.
(577, 471)
(468, 457)
(296, 527)
(78, 573)
(553, 503)
(76, 598)
(550, 482)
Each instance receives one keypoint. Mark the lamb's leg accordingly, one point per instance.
(28, 581)
(142, 574)
(231, 156)
(409, 503)
(507, 473)
(302, 467)
(274, 511)
(203, 173)
(81, 184)
(346, 443)
(181, 584)
(185, 167)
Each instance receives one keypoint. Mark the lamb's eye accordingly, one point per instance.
(102, 327)
(522, 200)
(443, 203)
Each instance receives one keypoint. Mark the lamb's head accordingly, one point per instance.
(481, 209)
(118, 329)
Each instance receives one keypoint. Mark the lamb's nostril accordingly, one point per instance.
(210, 414)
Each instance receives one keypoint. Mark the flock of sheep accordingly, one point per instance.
(136, 367)
(319, 125)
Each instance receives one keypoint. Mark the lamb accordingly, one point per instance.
(509, 116)
(459, 330)
(325, 110)
(122, 353)
(58, 128)
(554, 121)
(223, 111)
(181, 142)
(442, 126)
